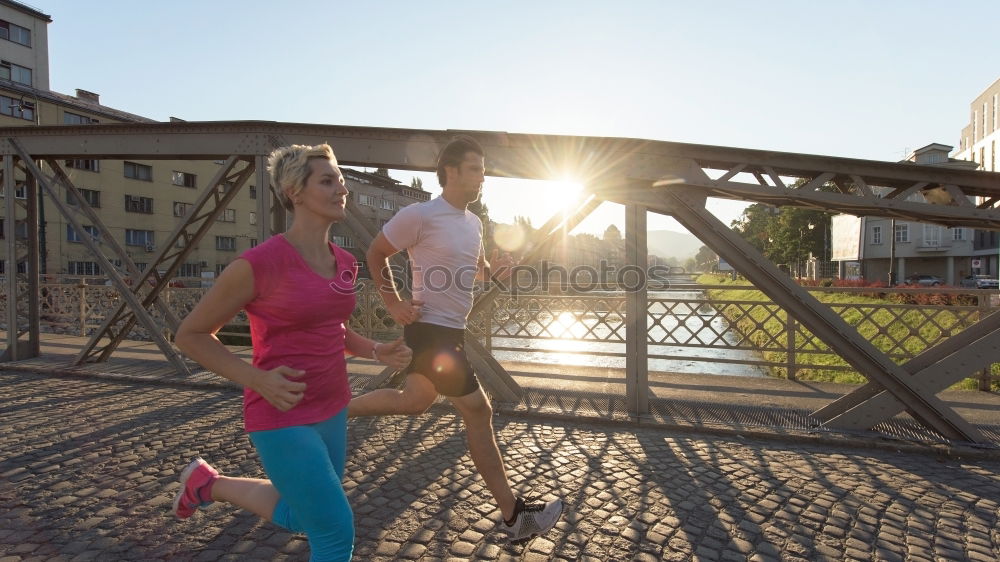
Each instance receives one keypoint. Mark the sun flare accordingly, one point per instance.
(555, 196)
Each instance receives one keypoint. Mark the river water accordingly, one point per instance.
(680, 319)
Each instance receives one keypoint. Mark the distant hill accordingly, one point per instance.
(670, 243)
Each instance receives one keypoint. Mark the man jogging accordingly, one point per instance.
(444, 241)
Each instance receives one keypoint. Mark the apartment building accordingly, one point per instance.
(139, 202)
(979, 143)
(912, 248)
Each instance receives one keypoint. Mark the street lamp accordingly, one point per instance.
(798, 250)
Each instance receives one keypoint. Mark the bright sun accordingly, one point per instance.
(555, 196)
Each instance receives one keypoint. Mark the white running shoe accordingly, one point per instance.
(533, 518)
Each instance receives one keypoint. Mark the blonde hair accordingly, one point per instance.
(289, 168)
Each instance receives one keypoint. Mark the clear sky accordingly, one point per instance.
(866, 79)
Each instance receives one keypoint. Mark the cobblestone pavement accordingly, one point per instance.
(88, 470)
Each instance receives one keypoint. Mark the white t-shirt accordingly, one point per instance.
(444, 244)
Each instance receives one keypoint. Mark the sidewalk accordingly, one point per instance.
(88, 469)
(764, 407)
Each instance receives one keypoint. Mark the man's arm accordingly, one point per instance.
(402, 311)
(483, 267)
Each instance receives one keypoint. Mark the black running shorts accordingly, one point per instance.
(439, 355)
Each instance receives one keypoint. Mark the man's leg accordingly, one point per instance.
(417, 395)
(478, 416)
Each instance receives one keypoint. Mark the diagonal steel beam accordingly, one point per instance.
(689, 210)
(61, 178)
(123, 289)
(202, 214)
(934, 370)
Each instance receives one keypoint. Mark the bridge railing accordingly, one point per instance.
(684, 325)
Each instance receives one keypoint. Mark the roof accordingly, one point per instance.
(73, 102)
(378, 179)
(24, 8)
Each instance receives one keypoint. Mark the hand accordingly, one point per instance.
(501, 266)
(405, 311)
(394, 354)
(278, 390)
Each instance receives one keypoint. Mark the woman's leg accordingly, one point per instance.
(252, 494)
(312, 500)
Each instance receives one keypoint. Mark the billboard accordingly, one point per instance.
(845, 238)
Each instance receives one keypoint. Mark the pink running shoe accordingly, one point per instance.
(196, 488)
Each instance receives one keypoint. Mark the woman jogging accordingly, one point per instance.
(297, 290)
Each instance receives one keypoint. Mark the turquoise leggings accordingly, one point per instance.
(306, 464)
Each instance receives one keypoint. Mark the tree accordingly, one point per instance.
(705, 259)
(479, 209)
(785, 236)
(417, 183)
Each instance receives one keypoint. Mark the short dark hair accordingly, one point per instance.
(454, 152)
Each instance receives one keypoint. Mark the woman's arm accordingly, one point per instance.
(196, 338)
(394, 354)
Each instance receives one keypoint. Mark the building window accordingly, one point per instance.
(366, 200)
(138, 171)
(136, 204)
(20, 192)
(219, 267)
(87, 165)
(387, 205)
(15, 33)
(996, 99)
(184, 179)
(253, 217)
(84, 268)
(876, 235)
(343, 241)
(20, 230)
(253, 192)
(91, 196)
(73, 236)
(17, 108)
(189, 270)
(228, 215)
(181, 209)
(932, 235)
(74, 119)
(15, 73)
(958, 234)
(902, 233)
(253, 242)
(226, 243)
(142, 238)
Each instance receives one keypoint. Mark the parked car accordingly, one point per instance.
(925, 280)
(981, 282)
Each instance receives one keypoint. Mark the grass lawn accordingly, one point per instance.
(898, 330)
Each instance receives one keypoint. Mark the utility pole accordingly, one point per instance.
(892, 252)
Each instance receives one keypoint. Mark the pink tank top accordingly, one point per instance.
(298, 319)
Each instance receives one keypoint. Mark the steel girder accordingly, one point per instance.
(22, 309)
(155, 332)
(200, 217)
(687, 206)
(614, 166)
